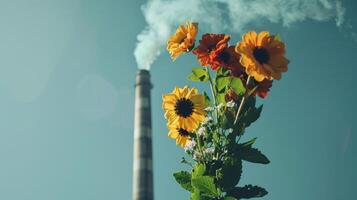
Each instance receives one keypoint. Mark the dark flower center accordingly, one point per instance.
(183, 132)
(211, 47)
(184, 107)
(261, 55)
(224, 56)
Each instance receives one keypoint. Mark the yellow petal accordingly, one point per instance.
(198, 99)
(173, 134)
(262, 36)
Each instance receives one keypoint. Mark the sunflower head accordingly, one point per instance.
(262, 55)
(181, 134)
(184, 107)
(183, 40)
(210, 48)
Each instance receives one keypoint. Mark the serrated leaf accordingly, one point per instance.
(253, 155)
(247, 192)
(184, 179)
(205, 184)
(231, 173)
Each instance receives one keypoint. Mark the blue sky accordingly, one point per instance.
(67, 88)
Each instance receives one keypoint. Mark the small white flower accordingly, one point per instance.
(230, 130)
(208, 109)
(190, 145)
(207, 120)
(230, 104)
(196, 155)
(209, 150)
(201, 131)
(219, 106)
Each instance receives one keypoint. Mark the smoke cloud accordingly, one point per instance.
(163, 16)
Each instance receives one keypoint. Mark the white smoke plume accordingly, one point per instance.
(163, 16)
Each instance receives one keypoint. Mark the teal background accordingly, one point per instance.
(66, 100)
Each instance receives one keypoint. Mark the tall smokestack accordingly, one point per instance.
(142, 169)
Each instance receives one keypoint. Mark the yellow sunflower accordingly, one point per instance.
(179, 133)
(263, 56)
(184, 107)
(183, 40)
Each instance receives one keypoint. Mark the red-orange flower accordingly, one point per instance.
(263, 88)
(229, 59)
(210, 48)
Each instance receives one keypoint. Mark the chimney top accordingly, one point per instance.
(143, 78)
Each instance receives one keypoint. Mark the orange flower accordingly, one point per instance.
(183, 40)
(209, 49)
(263, 56)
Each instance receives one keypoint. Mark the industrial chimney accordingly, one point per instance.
(142, 166)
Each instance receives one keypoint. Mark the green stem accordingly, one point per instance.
(213, 92)
(199, 144)
(242, 102)
(211, 84)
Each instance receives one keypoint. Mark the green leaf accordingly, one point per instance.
(227, 120)
(277, 37)
(231, 173)
(193, 77)
(252, 115)
(205, 184)
(222, 72)
(249, 143)
(247, 192)
(237, 86)
(221, 98)
(222, 83)
(198, 74)
(253, 155)
(195, 195)
(229, 198)
(198, 170)
(184, 179)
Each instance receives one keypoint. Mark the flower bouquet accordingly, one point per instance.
(210, 127)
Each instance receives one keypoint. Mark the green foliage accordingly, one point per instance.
(206, 185)
(249, 143)
(198, 74)
(253, 155)
(198, 170)
(247, 192)
(231, 173)
(216, 175)
(184, 179)
(222, 82)
(237, 86)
